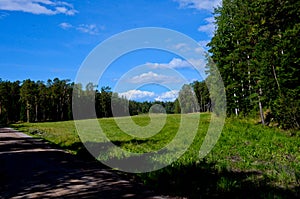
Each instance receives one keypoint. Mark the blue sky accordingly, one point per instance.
(44, 39)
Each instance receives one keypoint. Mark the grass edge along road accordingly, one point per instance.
(248, 157)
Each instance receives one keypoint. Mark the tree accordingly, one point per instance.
(9, 101)
(14, 102)
(202, 94)
(28, 93)
(187, 100)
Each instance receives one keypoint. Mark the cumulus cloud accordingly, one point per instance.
(140, 95)
(199, 4)
(174, 63)
(47, 7)
(208, 28)
(136, 94)
(168, 96)
(177, 63)
(154, 78)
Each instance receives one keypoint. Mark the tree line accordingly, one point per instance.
(38, 101)
(256, 47)
(35, 101)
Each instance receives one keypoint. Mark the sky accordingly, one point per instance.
(45, 39)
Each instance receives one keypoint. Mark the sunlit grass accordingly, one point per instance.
(244, 146)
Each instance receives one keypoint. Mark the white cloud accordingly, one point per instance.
(153, 78)
(65, 25)
(91, 29)
(140, 95)
(47, 7)
(210, 19)
(203, 44)
(199, 4)
(136, 94)
(168, 96)
(208, 28)
(183, 47)
(174, 63)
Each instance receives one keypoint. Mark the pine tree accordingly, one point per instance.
(28, 93)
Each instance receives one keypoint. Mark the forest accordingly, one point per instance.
(37, 101)
(256, 48)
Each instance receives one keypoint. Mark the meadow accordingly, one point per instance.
(249, 160)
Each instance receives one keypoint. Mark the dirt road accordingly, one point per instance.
(31, 168)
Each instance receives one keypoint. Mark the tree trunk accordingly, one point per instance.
(27, 112)
(236, 110)
(44, 115)
(36, 112)
(261, 111)
(201, 104)
(249, 74)
(275, 76)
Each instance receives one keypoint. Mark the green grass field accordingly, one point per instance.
(263, 162)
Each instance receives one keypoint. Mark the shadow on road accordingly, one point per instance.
(30, 168)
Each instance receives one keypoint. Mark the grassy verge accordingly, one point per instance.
(248, 158)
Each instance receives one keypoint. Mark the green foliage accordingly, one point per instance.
(202, 93)
(187, 100)
(256, 49)
(9, 101)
